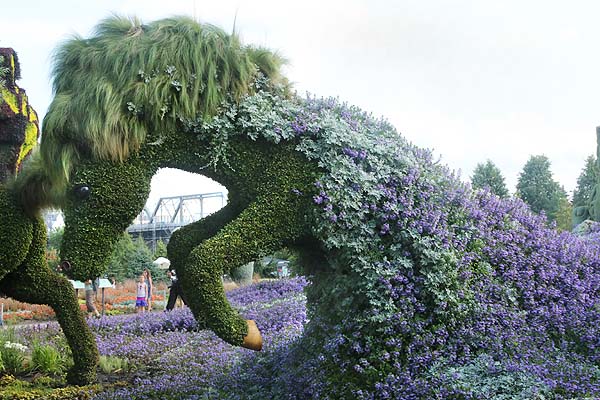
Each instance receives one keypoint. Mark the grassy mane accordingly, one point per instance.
(130, 81)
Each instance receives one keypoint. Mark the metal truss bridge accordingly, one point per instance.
(172, 213)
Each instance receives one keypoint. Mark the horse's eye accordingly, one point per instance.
(82, 192)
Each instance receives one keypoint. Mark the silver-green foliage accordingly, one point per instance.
(486, 378)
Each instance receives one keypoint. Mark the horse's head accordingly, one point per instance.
(102, 199)
(108, 107)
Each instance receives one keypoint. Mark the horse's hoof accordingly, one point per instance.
(253, 340)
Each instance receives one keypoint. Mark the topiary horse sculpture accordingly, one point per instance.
(413, 275)
(24, 272)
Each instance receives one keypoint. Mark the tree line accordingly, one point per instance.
(537, 187)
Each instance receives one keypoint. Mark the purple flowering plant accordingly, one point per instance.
(425, 280)
(428, 290)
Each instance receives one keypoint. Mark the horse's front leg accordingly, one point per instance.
(188, 237)
(34, 282)
(261, 228)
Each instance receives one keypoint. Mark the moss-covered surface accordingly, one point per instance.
(27, 277)
(102, 200)
(268, 214)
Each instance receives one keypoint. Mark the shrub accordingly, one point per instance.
(46, 359)
(13, 357)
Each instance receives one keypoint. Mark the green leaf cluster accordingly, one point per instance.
(160, 249)
(538, 189)
(489, 176)
(129, 259)
(587, 180)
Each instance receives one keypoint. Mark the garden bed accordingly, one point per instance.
(161, 355)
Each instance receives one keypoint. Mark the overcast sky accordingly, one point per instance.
(472, 80)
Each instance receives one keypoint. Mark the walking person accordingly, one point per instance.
(174, 291)
(149, 286)
(141, 295)
(89, 298)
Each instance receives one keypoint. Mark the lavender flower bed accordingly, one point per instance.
(179, 360)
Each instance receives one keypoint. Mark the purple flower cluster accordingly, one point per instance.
(427, 278)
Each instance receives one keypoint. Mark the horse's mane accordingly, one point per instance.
(129, 81)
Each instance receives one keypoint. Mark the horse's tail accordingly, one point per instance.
(19, 128)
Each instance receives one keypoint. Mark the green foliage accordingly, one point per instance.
(112, 364)
(489, 176)
(32, 281)
(538, 189)
(485, 378)
(13, 357)
(43, 388)
(16, 233)
(118, 264)
(121, 258)
(24, 271)
(55, 238)
(129, 259)
(564, 215)
(116, 194)
(161, 249)
(142, 258)
(588, 178)
(268, 269)
(243, 275)
(46, 359)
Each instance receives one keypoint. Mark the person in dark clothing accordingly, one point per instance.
(174, 291)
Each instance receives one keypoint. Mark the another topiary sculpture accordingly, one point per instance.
(415, 280)
(18, 121)
(24, 272)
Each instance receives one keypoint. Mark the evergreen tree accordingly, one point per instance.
(489, 176)
(141, 259)
(120, 258)
(585, 183)
(161, 249)
(54, 239)
(129, 259)
(538, 189)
